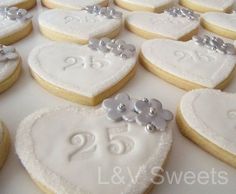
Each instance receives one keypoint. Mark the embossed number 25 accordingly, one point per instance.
(85, 144)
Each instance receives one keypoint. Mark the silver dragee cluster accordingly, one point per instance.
(183, 12)
(14, 13)
(147, 113)
(116, 46)
(216, 44)
(7, 53)
(107, 12)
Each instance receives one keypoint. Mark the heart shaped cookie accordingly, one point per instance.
(4, 144)
(85, 150)
(198, 63)
(15, 24)
(83, 74)
(164, 25)
(72, 4)
(144, 5)
(9, 67)
(208, 5)
(78, 26)
(23, 4)
(222, 24)
(208, 118)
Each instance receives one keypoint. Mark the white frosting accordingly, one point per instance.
(64, 148)
(7, 68)
(75, 4)
(224, 20)
(162, 24)
(11, 2)
(214, 4)
(78, 68)
(148, 3)
(189, 61)
(212, 114)
(78, 24)
(8, 27)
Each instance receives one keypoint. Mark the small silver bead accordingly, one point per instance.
(150, 128)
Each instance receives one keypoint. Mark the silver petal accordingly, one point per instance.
(143, 119)
(114, 115)
(167, 115)
(110, 104)
(155, 104)
(123, 98)
(141, 106)
(159, 123)
(130, 116)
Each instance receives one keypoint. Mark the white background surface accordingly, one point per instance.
(26, 96)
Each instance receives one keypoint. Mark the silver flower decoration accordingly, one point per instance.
(120, 108)
(14, 13)
(7, 53)
(117, 47)
(182, 12)
(215, 44)
(108, 12)
(152, 115)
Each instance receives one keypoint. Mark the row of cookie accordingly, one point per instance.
(175, 23)
(122, 129)
(78, 26)
(88, 74)
(132, 5)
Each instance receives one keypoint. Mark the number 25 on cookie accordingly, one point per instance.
(88, 62)
(84, 144)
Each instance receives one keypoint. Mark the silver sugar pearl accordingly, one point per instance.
(121, 107)
(150, 128)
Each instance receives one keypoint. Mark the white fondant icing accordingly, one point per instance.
(189, 61)
(76, 4)
(11, 2)
(78, 68)
(7, 68)
(149, 3)
(78, 24)
(163, 24)
(9, 27)
(214, 4)
(212, 114)
(224, 20)
(46, 139)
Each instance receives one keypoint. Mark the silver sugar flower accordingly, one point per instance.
(152, 115)
(117, 47)
(108, 12)
(144, 112)
(120, 108)
(182, 12)
(215, 44)
(14, 13)
(7, 53)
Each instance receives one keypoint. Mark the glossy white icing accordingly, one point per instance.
(78, 24)
(189, 61)
(78, 68)
(214, 4)
(149, 3)
(162, 24)
(224, 20)
(212, 114)
(75, 4)
(71, 150)
(11, 2)
(7, 68)
(9, 27)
